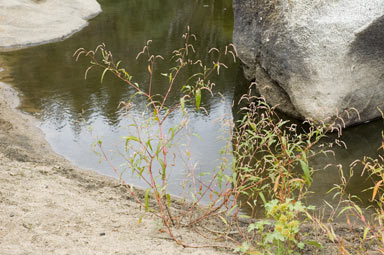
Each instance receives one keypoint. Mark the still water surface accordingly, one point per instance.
(53, 89)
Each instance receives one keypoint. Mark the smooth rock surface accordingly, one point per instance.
(30, 22)
(317, 59)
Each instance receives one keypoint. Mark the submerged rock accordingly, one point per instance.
(317, 59)
(30, 22)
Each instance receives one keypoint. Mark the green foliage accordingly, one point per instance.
(148, 143)
(272, 166)
(272, 156)
(280, 228)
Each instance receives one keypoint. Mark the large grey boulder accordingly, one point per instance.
(317, 59)
(30, 22)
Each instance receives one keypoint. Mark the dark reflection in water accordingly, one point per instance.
(49, 79)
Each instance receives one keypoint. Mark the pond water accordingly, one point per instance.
(53, 89)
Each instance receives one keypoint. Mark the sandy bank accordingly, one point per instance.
(25, 23)
(48, 206)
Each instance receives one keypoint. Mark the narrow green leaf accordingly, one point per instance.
(141, 171)
(358, 209)
(131, 138)
(182, 104)
(163, 172)
(314, 243)
(344, 209)
(103, 74)
(223, 220)
(231, 210)
(220, 178)
(149, 144)
(146, 198)
(168, 199)
(197, 135)
(307, 174)
(253, 126)
(262, 197)
(234, 179)
(198, 99)
(366, 229)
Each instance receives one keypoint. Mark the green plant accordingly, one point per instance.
(148, 143)
(272, 156)
(272, 168)
(280, 228)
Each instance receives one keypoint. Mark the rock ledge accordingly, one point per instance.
(26, 23)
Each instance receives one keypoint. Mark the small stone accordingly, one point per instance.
(102, 234)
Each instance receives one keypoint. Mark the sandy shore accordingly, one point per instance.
(48, 206)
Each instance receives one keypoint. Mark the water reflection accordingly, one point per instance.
(360, 141)
(48, 76)
(53, 88)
